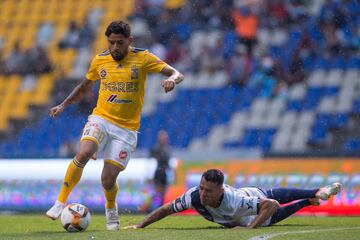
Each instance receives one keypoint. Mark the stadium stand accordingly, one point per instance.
(297, 92)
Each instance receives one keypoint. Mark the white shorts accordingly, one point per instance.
(115, 144)
(254, 192)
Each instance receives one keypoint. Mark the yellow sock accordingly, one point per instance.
(72, 177)
(111, 196)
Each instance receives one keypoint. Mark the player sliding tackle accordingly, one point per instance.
(112, 127)
(246, 207)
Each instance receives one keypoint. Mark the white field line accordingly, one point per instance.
(272, 235)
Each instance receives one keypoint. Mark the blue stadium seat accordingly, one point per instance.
(356, 106)
(183, 31)
(354, 62)
(338, 120)
(331, 91)
(251, 137)
(295, 105)
(312, 98)
(352, 144)
(229, 43)
(318, 134)
(266, 138)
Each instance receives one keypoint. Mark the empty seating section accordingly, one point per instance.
(219, 117)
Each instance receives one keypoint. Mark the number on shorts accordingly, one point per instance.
(95, 133)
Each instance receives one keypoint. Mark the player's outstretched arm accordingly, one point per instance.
(75, 95)
(159, 213)
(174, 77)
(267, 207)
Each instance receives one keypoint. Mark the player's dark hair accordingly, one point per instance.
(214, 175)
(118, 27)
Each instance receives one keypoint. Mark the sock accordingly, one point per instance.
(110, 196)
(288, 210)
(285, 195)
(72, 177)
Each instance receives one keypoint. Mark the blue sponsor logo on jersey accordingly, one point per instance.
(113, 99)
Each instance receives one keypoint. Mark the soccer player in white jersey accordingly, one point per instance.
(112, 126)
(245, 207)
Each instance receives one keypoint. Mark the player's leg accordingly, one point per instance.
(286, 211)
(72, 176)
(323, 193)
(160, 182)
(93, 138)
(110, 187)
(117, 154)
(285, 195)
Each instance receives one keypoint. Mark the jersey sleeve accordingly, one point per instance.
(152, 63)
(247, 206)
(183, 202)
(92, 73)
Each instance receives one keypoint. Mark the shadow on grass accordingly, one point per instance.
(46, 233)
(187, 228)
(291, 225)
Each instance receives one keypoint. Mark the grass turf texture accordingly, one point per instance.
(180, 227)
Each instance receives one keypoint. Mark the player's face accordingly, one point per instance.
(118, 46)
(210, 193)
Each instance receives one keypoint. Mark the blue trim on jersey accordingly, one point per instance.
(196, 203)
(263, 191)
(105, 53)
(136, 49)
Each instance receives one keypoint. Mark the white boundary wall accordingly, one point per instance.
(138, 169)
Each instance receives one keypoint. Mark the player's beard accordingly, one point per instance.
(117, 56)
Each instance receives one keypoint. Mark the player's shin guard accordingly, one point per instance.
(288, 210)
(110, 196)
(72, 177)
(285, 195)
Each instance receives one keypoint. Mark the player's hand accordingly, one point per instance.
(168, 84)
(54, 111)
(131, 227)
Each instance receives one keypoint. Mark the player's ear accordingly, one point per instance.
(131, 40)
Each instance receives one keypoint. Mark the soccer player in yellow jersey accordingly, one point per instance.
(112, 126)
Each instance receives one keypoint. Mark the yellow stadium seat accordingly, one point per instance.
(8, 100)
(43, 90)
(2, 89)
(21, 106)
(20, 21)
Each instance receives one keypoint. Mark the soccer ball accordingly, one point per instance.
(75, 217)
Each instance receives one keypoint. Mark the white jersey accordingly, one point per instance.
(238, 207)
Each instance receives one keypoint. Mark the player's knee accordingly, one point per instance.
(83, 156)
(85, 153)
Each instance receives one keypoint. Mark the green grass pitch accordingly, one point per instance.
(180, 227)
